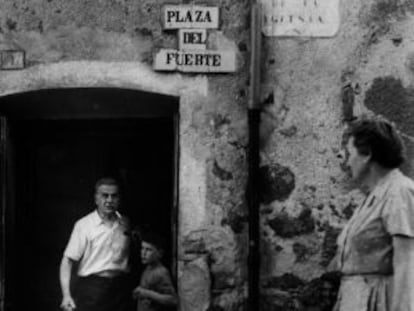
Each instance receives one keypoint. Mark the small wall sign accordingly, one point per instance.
(195, 61)
(192, 22)
(12, 60)
(190, 16)
(192, 39)
(300, 18)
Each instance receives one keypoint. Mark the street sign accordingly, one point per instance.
(300, 18)
(192, 39)
(12, 60)
(190, 16)
(195, 61)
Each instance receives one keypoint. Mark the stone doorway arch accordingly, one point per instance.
(130, 76)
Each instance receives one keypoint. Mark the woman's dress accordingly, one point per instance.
(365, 247)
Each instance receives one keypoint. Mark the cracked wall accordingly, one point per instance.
(312, 89)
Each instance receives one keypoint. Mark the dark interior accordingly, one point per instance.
(55, 162)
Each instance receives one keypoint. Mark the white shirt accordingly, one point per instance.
(98, 246)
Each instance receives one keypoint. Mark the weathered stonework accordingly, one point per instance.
(195, 290)
(388, 97)
(277, 183)
(348, 102)
(301, 251)
(287, 227)
(318, 86)
(311, 89)
(285, 282)
(329, 246)
(291, 293)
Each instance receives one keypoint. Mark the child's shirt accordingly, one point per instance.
(157, 279)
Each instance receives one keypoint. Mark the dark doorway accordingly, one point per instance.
(56, 161)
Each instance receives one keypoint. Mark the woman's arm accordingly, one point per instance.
(403, 279)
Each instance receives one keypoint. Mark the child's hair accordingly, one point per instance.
(153, 239)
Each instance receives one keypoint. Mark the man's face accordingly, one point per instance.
(149, 253)
(107, 199)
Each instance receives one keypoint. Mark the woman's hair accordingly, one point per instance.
(380, 139)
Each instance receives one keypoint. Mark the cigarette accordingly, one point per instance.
(118, 215)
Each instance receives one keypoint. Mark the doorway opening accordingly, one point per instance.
(57, 144)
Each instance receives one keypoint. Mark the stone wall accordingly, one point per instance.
(312, 88)
(107, 43)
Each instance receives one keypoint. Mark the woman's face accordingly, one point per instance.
(357, 162)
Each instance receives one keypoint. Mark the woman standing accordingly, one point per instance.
(376, 248)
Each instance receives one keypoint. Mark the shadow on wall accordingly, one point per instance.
(294, 294)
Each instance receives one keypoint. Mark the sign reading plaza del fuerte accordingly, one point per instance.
(192, 22)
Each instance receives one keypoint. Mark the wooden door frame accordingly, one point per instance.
(3, 191)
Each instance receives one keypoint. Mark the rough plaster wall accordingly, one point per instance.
(111, 43)
(312, 89)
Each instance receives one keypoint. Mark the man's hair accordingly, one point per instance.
(107, 181)
(379, 139)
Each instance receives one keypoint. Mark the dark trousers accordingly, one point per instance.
(95, 293)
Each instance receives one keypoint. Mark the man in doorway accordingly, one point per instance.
(100, 246)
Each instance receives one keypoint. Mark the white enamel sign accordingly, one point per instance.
(12, 60)
(190, 16)
(192, 39)
(300, 18)
(195, 61)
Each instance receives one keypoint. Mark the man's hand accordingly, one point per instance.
(68, 304)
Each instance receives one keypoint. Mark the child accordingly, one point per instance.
(155, 291)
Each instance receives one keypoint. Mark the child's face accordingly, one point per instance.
(149, 253)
